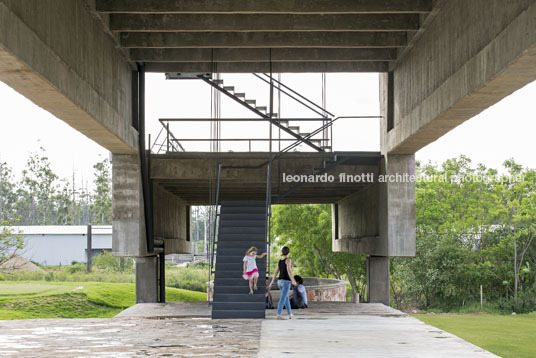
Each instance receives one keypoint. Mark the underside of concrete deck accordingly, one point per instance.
(192, 175)
(326, 329)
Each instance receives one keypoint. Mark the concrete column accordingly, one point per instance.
(378, 279)
(146, 279)
(128, 226)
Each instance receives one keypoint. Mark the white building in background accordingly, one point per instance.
(61, 245)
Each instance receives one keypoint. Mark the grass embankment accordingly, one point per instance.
(509, 336)
(23, 300)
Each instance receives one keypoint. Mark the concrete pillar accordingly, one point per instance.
(128, 226)
(378, 279)
(146, 279)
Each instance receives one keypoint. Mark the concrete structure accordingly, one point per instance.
(61, 245)
(441, 62)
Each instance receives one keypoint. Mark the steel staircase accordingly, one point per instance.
(262, 111)
(242, 224)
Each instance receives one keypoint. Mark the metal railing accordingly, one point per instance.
(214, 238)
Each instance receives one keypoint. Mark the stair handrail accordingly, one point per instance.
(214, 233)
(324, 112)
(268, 228)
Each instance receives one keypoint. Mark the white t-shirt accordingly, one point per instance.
(251, 263)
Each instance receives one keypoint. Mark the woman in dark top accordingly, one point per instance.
(286, 278)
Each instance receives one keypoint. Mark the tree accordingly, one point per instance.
(36, 191)
(106, 261)
(8, 198)
(101, 207)
(10, 242)
(306, 230)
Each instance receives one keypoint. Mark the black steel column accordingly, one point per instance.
(162, 275)
(143, 160)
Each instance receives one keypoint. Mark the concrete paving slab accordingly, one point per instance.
(167, 310)
(370, 336)
(134, 337)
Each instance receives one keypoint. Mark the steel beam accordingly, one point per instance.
(270, 7)
(262, 54)
(349, 39)
(263, 22)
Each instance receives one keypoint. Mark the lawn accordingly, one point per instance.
(22, 300)
(505, 335)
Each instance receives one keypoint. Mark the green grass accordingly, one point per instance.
(23, 300)
(505, 335)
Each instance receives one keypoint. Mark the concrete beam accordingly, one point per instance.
(277, 67)
(263, 39)
(462, 64)
(263, 22)
(255, 7)
(262, 54)
(55, 54)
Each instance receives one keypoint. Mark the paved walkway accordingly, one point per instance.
(325, 330)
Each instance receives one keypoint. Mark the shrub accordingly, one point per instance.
(189, 278)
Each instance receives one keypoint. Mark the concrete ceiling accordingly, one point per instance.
(242, 35)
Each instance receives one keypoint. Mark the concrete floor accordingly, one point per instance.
(185, 330)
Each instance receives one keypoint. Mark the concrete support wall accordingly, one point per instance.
(378, 290)
(473, 54)
(356, 229)
(171, 221)
(397, 205)
(55, 53)
(379, 220)
(128, 238)
(146, 279)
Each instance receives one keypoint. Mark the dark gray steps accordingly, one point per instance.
(239, 306)
(243, 203)
(229, 250)
(232, 258)
(224, 314)
(243, 216)
(236, 266)
(243, 210)
(242, 224)
(238, 297)
(245, 224)
(224, 229)
(241, 236)
(237, 282)
(239, 290)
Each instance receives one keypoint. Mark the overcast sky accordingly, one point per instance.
(505, 130)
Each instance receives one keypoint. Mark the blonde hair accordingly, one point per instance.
(251, 249)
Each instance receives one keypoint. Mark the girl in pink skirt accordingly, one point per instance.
(251, 273)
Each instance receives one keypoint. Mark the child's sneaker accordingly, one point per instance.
(250, 292)
(255, 288)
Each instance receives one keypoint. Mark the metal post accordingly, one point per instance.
(167, 142)
(481, 297)
(162, 275)
(271, 100)
(89, 248)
